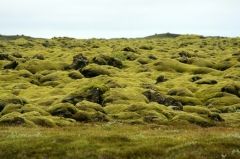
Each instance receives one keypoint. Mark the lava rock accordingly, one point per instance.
(232, 89)
(4, 56)
(11, 65)
(108, 60)
(154, 96)
(160, 79)
(39, 57)
(93, 94)
(79, 61)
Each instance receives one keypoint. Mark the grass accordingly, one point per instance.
(116, 141)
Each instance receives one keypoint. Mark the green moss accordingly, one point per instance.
(180, 92)
(63, 109)
(172, 65)
(92, 93)
(188, 100)
(13, 99)
(35, 66)
(75, 75)
(115, 108)
(124, 95)
(102, 78)
(11, 108)
(84, 116)
(146, 47)
(94, 70)
(193, 118)
(153, 117)
(196, 109)
(107, 60)
(206, 81)
(15, 119)
(229, 109)
(222, 101)
(126, 116)
(30, 108)
(89, 106)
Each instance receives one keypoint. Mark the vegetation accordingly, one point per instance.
(167, 81)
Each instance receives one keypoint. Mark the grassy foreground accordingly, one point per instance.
(107, 141)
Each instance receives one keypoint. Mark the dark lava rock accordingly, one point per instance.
(185, 57)
(215, 117)
(108, 60)
(129, 49)
(211, 82)
(2, 105)
(79, 61)
(154, 96)
(160, 79)
(152, 57)
(232, 89)
(17, 55)
(93, 94)
(195, 78)
(4, 56)
(66, 110)
(11, 65)
(90, 72)
(39, 57)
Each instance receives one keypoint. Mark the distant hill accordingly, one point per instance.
(164, 35)
(14, 37)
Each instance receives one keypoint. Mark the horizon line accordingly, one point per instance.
(119, 37)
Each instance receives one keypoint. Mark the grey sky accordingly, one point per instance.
(119, 18)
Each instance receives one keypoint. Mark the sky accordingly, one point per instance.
(119, 18)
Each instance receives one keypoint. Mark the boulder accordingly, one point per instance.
(207, 81)
(11, 65)
(108, 60)
(66, 110)
(94, 70)
(232, 89)
(195, 78)
(92, 94)
(160, 79)
(39, 57)
(154, 96)
(129, 49)
(4, 56)
(79, 61)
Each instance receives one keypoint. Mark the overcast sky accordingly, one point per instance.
(119, 18)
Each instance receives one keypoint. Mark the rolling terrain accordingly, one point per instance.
(169, 94)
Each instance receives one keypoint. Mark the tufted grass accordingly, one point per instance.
(118, 141)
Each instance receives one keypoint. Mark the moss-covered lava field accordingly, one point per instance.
(165, 81)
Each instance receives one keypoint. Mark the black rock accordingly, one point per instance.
(108, 60)
(160, 79)
(79, 61)
(195, 78)
(129, 49)
(154, 96)
(210, 82)
(152, 57)
(4, 56)
(232, 89)
(2, 105)
(93, 94)
(39, 56)
(11, 65)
